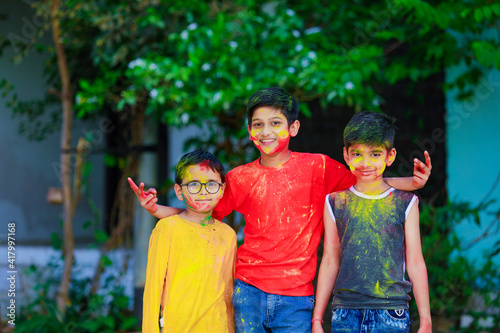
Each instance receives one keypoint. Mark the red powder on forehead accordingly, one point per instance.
(204, 166)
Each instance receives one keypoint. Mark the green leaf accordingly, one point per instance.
(128, 323)
(100, 236)
(55, 241)
(121, 302)
(105, 261)
(487, 12)
(110, 160)
(478, 14)
(87, 169)
(495, 8)
(90, 325)
(87, 224)
(497, 60)
(84, 84)
(485, 52)
(304, 109)
(107, 322)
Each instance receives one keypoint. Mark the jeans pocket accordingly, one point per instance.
(311, 301)
(399, 319)
(398, 314)
(339, 314)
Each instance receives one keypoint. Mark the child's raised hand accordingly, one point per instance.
(421, 171)
(147, 199)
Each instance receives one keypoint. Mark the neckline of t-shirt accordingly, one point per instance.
(372, 197)
(197, 225)
(292, 155)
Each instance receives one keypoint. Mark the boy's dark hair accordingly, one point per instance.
(274, 97)
(370, 128)
(198, 156)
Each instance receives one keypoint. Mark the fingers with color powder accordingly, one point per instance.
(147, 199)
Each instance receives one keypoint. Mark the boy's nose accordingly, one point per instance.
(203, 190)
(266, 130)
(365, 161)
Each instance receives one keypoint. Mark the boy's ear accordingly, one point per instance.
(391, 157)
(178, 192)
(294, 128)
(346, 156)
(222, 188)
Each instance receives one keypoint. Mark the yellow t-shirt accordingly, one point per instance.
(190, 273)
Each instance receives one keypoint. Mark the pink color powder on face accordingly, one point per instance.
(282, 143)
(204, 166)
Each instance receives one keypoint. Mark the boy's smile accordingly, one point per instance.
(270, 132)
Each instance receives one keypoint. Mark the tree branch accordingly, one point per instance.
(68, 209)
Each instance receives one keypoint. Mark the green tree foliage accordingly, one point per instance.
(198, 62)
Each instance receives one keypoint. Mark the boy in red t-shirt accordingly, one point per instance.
(281, 196)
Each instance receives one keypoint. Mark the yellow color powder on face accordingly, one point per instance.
(283, 134)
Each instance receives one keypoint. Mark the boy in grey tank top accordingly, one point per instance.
(371, 237)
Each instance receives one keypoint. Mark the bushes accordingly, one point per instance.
(105, 311)
(458, 285)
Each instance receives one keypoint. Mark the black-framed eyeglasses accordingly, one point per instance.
(195, 187)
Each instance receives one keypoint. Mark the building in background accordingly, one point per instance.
(473, 155)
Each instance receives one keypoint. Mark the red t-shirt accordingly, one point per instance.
(283, 209)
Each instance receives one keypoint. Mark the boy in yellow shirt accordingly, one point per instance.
(190, 271)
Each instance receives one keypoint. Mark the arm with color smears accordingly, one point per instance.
(421, 173)
(148, 200)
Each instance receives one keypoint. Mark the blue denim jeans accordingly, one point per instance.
(259, 312)
(370, 321)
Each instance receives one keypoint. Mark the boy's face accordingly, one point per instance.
(270, 132)
(368, 163)
(208, 196)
